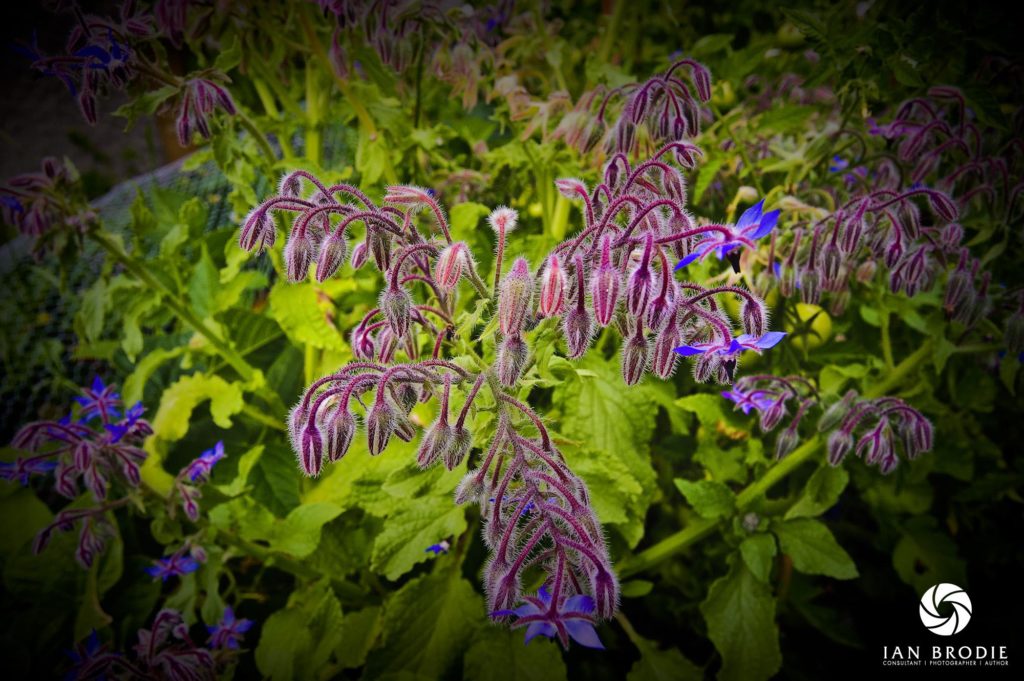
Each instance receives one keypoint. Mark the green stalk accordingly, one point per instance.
(701, 527)
(312, 116)
(183, 312)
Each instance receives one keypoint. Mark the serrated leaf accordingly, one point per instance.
(296, 308)
(245, 465)
(498, 654)
(758, 552)
(132, 342)
(709, 498)
(740, 613)
(417, 524)
(181, 398)
(813, 548)
(617, 496)
(427, 624)
(821, 493)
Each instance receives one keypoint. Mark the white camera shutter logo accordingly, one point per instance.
(954, 596)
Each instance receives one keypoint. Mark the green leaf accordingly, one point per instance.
(145, 104)
(297, 642)
(656, 664)
(740, 613)
(706, 175)
(245, 466)
(371, 158)
(498, 654)
(299, 533)
(925, 556)
(709, 498)
(636, 588)
(359, 631)
(31, 514)
(426, 626)
(758, 551)
(230, 56)
(813, 548)
(822, 492)
(203, 285)
(465, 217)
(180, 399)
(141, 304)
(617, 496)
(93, 311)
(136, 382)
(296, 308)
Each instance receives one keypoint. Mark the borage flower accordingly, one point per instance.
(175, 565)
(752, 225)
(229, 631)
(201, 467)
(572, 618)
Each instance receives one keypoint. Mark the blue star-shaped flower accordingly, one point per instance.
(175, 565)
(229, 631)
(200, 468)
(572, 619)
(752, 225)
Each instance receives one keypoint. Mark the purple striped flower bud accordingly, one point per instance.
(664, 358)
(661, 307)
(705, 367)
(360, 254)
(515, 298)
(462, 442)
(257, 232)
(810, 287)
(552, 288)
(296, 422)
(290, 185)
(634, 357)
(754, 317)
(386, 345)
(641, 281)
(437, 440)
(831, 265)
(311, 451)
(702, 79)
(449, 266)
(840, 443)
(786, 441)
(772, 415)
(298, 255)
(951, 236)
(332, 255)
(943, 205)
(512, 354)
(340, 428)
(605, 286)
(470, 488)
(396, 304)
(578, 329)
(380, 424)
(380, 247)
(849, 240)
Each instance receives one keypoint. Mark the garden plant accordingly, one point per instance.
(512, 340)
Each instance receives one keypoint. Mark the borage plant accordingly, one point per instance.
(615, 273)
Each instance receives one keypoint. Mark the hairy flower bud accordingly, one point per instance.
(310, 452)
(437, 440)
(705, 367)
(664, 358)
(296, 422)
(552, 288)
(396, 304)
(340, 427)
(943, 205)
(772, 415)
(951, 236)
(471, 487)
(810, 287)
(754, 317)
(449, 266)
(849, 240)
(462, 442)
(512, 354)
(515, 298)
(380, 247)
(578, 329)
(605, 286)
(840, 443)
(290, 185)
(634, 357)
(641, 281)
(786, 442)
(298, 255)
(831, 264)
(332, 255)
(837, 412)
(380, 424)
(359, 255)
(257, 232)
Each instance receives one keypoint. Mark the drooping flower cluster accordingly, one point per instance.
(667, 107)
(873, 428)
(187, 482)
(40, 204)
(615, 272)
(164, 651)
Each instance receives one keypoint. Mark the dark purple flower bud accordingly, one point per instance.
(462, 442)
(290, 185)
(702, 79)
(772, 415)
(340, 428)
(641, 281)
(449, 266)
(512, 354)
(849, 239)
(664, 358)
(786, 442)
(298, 255)
(332, 255)
(605, 286)
(840, 442)
(634, 357)
(893, 252)
(705, 367)
(437, 440)
(920, 436)
(754, 317)
(380, 247)
(831, 265)
(578, 329)
(943, 205)
(87, 105)
(311, 455)
(257, 232)
(660, 308)
(396, 304)
(386, 345)
(553, 284)
(951, 236)
(360, 254)
(515, 298)
(380, 424)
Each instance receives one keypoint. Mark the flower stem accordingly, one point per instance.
(701, 527)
